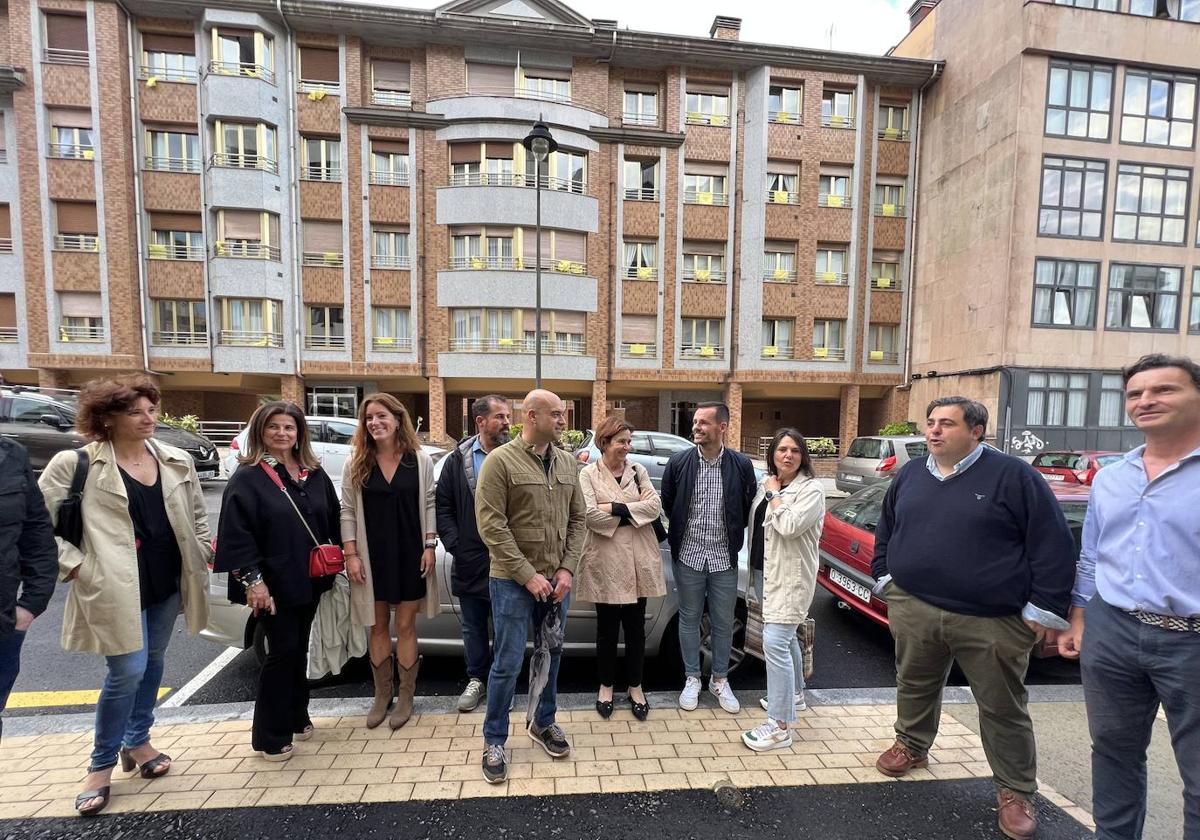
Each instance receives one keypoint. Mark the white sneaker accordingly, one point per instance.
(725, 696)
(767, 736)
(689, 698)
(800, 704)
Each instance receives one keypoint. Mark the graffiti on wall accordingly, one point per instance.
(1027, 443)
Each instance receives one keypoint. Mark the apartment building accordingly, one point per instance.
(1058, 235)
(319, 199)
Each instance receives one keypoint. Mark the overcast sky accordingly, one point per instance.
(862, 26)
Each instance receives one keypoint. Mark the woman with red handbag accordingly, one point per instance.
(277, 539)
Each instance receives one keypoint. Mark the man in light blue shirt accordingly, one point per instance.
(1137, 592)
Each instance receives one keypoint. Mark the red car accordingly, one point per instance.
(848, 544)
(1073, 467)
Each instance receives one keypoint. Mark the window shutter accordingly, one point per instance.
(243, 224)
(175, 221)
(569, 245)
(155, 42)
(500, 151)
(639, 329)
(466, 230)
(389, 147)
(694, 167)
(782, 167)
(8, 311)
(390, 75)
(502, 232)
(80, 304)
(70, 118)
(708, 88)
(693, 246)
(529, 244)
(489, 78)
(323, 237)
(464, 153)
(568, 322)
(76, 217)
(66, 32)
(5, 222)
(318, 65)
(3, 142)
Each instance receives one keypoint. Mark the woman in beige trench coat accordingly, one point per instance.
(142, 559)
(622, 563)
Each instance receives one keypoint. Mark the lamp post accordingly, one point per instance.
(540, 143)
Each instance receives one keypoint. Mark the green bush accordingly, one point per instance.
(906, 427)
(570, 439)
(822, 447)
(188, 422)
(514, 430)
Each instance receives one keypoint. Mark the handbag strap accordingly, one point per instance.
(79, 478)
(279, 483)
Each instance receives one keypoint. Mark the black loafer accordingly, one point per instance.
(640, 710)
(604, 708)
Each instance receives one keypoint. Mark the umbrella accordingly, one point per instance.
(547, 639)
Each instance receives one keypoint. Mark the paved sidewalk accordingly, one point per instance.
(437, 756)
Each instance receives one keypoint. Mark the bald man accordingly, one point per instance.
(530, 512)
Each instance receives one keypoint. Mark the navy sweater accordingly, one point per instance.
(984, 543)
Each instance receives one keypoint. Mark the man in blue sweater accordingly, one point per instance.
(976, 561)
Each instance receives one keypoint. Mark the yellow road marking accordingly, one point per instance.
(40, 699)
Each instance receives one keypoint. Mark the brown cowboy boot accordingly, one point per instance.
(383, 692)
(404, 699)
(1015, 815)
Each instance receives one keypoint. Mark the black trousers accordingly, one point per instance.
(610, 618)
(281, 708)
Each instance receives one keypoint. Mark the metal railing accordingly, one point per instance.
(241, 68)
(392, 98)
(516, 345)
(516, 179)
(829, 354)
(327, 87)
(327, 259)
(80, 334)
(883, 357)
(246, 250)
(886, 284)
(88, 242)
(509, 91)
(8, 335)
(55, 55)
(235, 161)
(3, 155)
(639, 350)
(167, 74)
(833, 200)
(777, 351)
(324, 342)
(517, 264)
(392, 344)
(641, 272)
(780, 275)
(837, 121)
(157, 251)
(890, 210)
(700, 118)
(702, 351)
(641, 194)
(391, 261)
(320, 173)
(704, 275)
(179, 339)
(893, 134)
(831, 278)
(249, 338)
(644, 120)
(391, 179)
(783, 197)
(221, 432)
(71, 151)
(784, 117)
(704, 197)
(170, 164)
(6, 245)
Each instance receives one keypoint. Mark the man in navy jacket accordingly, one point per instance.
(976, 560)
(706, 493)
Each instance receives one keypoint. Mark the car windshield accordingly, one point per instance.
(916, 449)
(1105, 460)
(866, 448)
(1060, 460)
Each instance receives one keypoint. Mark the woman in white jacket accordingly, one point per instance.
(787, 515)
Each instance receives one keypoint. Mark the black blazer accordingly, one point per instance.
(28, 553)
(457, 526)
(737, 482)
(258, 528)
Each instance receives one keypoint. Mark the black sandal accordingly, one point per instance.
(604, 708)
(149, 770)
(640, 710)
(99, 793)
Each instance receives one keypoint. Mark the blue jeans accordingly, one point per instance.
(785, 670)
(10, 666)
(125, 711)
(477, 645)
(721, 591)
(1128, 669)
(514, 615)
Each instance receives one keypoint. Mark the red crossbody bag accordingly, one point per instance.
(325, 558)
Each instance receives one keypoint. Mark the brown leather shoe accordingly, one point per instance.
(1014, 814)
(899, 759)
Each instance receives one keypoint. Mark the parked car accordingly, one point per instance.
(875, 458)
(848, 544)
(1074, 467)
(650, 449)
(44, 422)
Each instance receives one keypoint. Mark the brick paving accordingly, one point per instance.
(438, 757)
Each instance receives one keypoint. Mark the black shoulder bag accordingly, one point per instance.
(660, 530)
(69, 525)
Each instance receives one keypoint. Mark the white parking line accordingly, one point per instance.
(198, 682)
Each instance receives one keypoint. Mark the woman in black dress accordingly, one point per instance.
(389, 531)
(264, 545)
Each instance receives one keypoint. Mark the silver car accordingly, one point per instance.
(650, 449)
(875, 458)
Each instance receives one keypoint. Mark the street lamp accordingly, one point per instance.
(540, 143)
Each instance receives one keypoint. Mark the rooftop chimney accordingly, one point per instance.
(726, 28)
(918, 10)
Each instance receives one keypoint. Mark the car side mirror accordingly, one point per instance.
(51, 420)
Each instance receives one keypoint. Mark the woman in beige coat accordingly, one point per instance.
(622, 563)
(786, 518)
(389, 532)
(142, 558)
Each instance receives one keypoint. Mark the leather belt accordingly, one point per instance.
(1167, 622)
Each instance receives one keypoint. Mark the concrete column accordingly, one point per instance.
(848, 427)
(52, 378)
(291, 388)
(437, 410)
(599, 402)
(733, 399)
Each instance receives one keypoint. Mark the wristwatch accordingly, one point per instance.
(431, 543)
(769, 495)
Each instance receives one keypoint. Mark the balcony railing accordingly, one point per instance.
(512, 91)
(8, 335)
(157, 251)
(780, 275)
(777, 351)
(886, 284)
(235, 161)
(784, 117)
(700, 118)
(829, 354)
(515, 179)
(153, 75)
(391, 261)
(329, 88)
(517, 264)
(242, 68)
(171, 164)
(81, 334)
(179, 339)
(76, 242)
(644, 120)
(55, 55)
(324, 342)
(6, 245)
(831, 278)
(705, 197)
(246, 250)
(639, 350)
(833, 200)
(891, 210)
(389, 178)
(328, 259)
(320, 173)
(3, 155)
(516, 345)
(249, 338)
(392, 98)
(893, 134)
(391, 344)
(71, 151)
(837, 121)
(641, 272)
(704, 275)
(883, 357)
(783, 197)
(702, 351)
(641, 194)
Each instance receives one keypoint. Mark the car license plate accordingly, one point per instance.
(855, 478)
(205, 474)
(1053, 476)
(855, 588)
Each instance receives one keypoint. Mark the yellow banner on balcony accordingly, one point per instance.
(382, 340)
(702, 275)
(704, 198)
(505, 342)
(888, 209)
(316, 95)
(157, 251)
(695, 117)
(771, 351)
(837, 119)
(875, 355)
(520, 263)
(718, 119)
(645, 273)
(780, 196)
(708, 350)
(827, 277)
(478, 264)
(779, 274)
(637, 349)
(563, 267)
(151, 81)
(891, 133)
(89, 154)
(332, 258)
(820, 352)
(783, 117)
(883, 282)
(834, 201)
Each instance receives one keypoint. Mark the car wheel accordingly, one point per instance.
(737, 651)
(262, 647)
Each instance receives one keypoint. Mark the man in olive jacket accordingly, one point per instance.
(530, 512)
